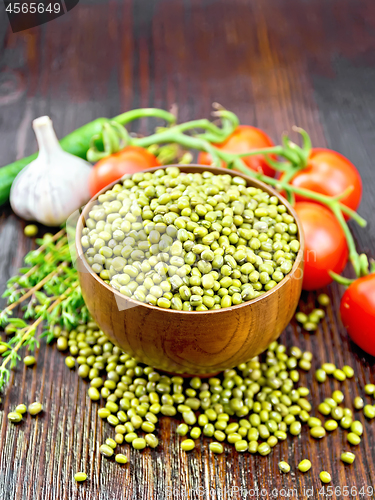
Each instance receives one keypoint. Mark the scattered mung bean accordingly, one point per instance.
(347, 457)
(358, 403)
(14, 417)
(121, 459)
(304, 465)
(284, 467)
(35, 408)
(325, 477)
(29, 360)
(216, 447)
(80, 477)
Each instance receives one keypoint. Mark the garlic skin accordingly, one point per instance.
(52, 186)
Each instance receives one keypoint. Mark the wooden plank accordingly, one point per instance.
(275, 64)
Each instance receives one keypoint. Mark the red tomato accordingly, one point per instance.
(325, 244)
(245, 138)
(129, 160)
(331, 174)
(358, 312)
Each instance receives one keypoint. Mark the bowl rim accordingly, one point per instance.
(191, 168)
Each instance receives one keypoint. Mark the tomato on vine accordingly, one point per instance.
(329, 173)
(245, 138)
(357, 311)
(129, 160)
(326, 248)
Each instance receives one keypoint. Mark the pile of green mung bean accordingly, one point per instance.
(253, 407)
(189, 242)
(311, 321)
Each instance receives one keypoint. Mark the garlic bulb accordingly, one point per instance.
(52, 186)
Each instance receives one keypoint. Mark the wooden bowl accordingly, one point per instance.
(192, 342)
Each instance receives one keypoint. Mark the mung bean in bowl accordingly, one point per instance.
(190, 269)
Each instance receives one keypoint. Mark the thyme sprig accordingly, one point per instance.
(50, 296)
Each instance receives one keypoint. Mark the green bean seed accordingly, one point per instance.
(188, 445)
(29, 360)
(317, 432)
(329, 368)
(357, 427)
(119, 438)
(106, 450)
(314, 422)
(353, 438)
(195, 432)
(139, 443)
(348, 370)
(182, 429)
(346, 422)
(30, 230)
(347, 457)
(369, 411)
(310, 326)
(284, 467)
(323, 299)
(264, 449)
(358, 403)
(93, 394)
(241, 446)
(304, 364)
(21, 408)
(337, 413)
(104, 413)
(121, 459)
(70, 362)
(151, 440)
(14, 417)
(325, 477)
(111, 442)
(253, 446)
(295, 428)
(304, 465)
(80, 477)
(370, 389)
(301, 317)
(320, 375)
(130, 436)
(338, 396)
(272, 441)
(35, 408)
(339, 375)
(216, 447)
(330, 425)
(324, 409)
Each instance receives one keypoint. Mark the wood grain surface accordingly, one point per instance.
(275, 63)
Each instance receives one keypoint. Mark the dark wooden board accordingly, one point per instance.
(274, 62)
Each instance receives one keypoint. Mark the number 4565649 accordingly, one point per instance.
(32, 8)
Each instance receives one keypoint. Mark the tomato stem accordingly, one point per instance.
(136, 114)
(340, 279)
(353, 254)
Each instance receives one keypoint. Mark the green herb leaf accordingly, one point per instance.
(18, 322)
